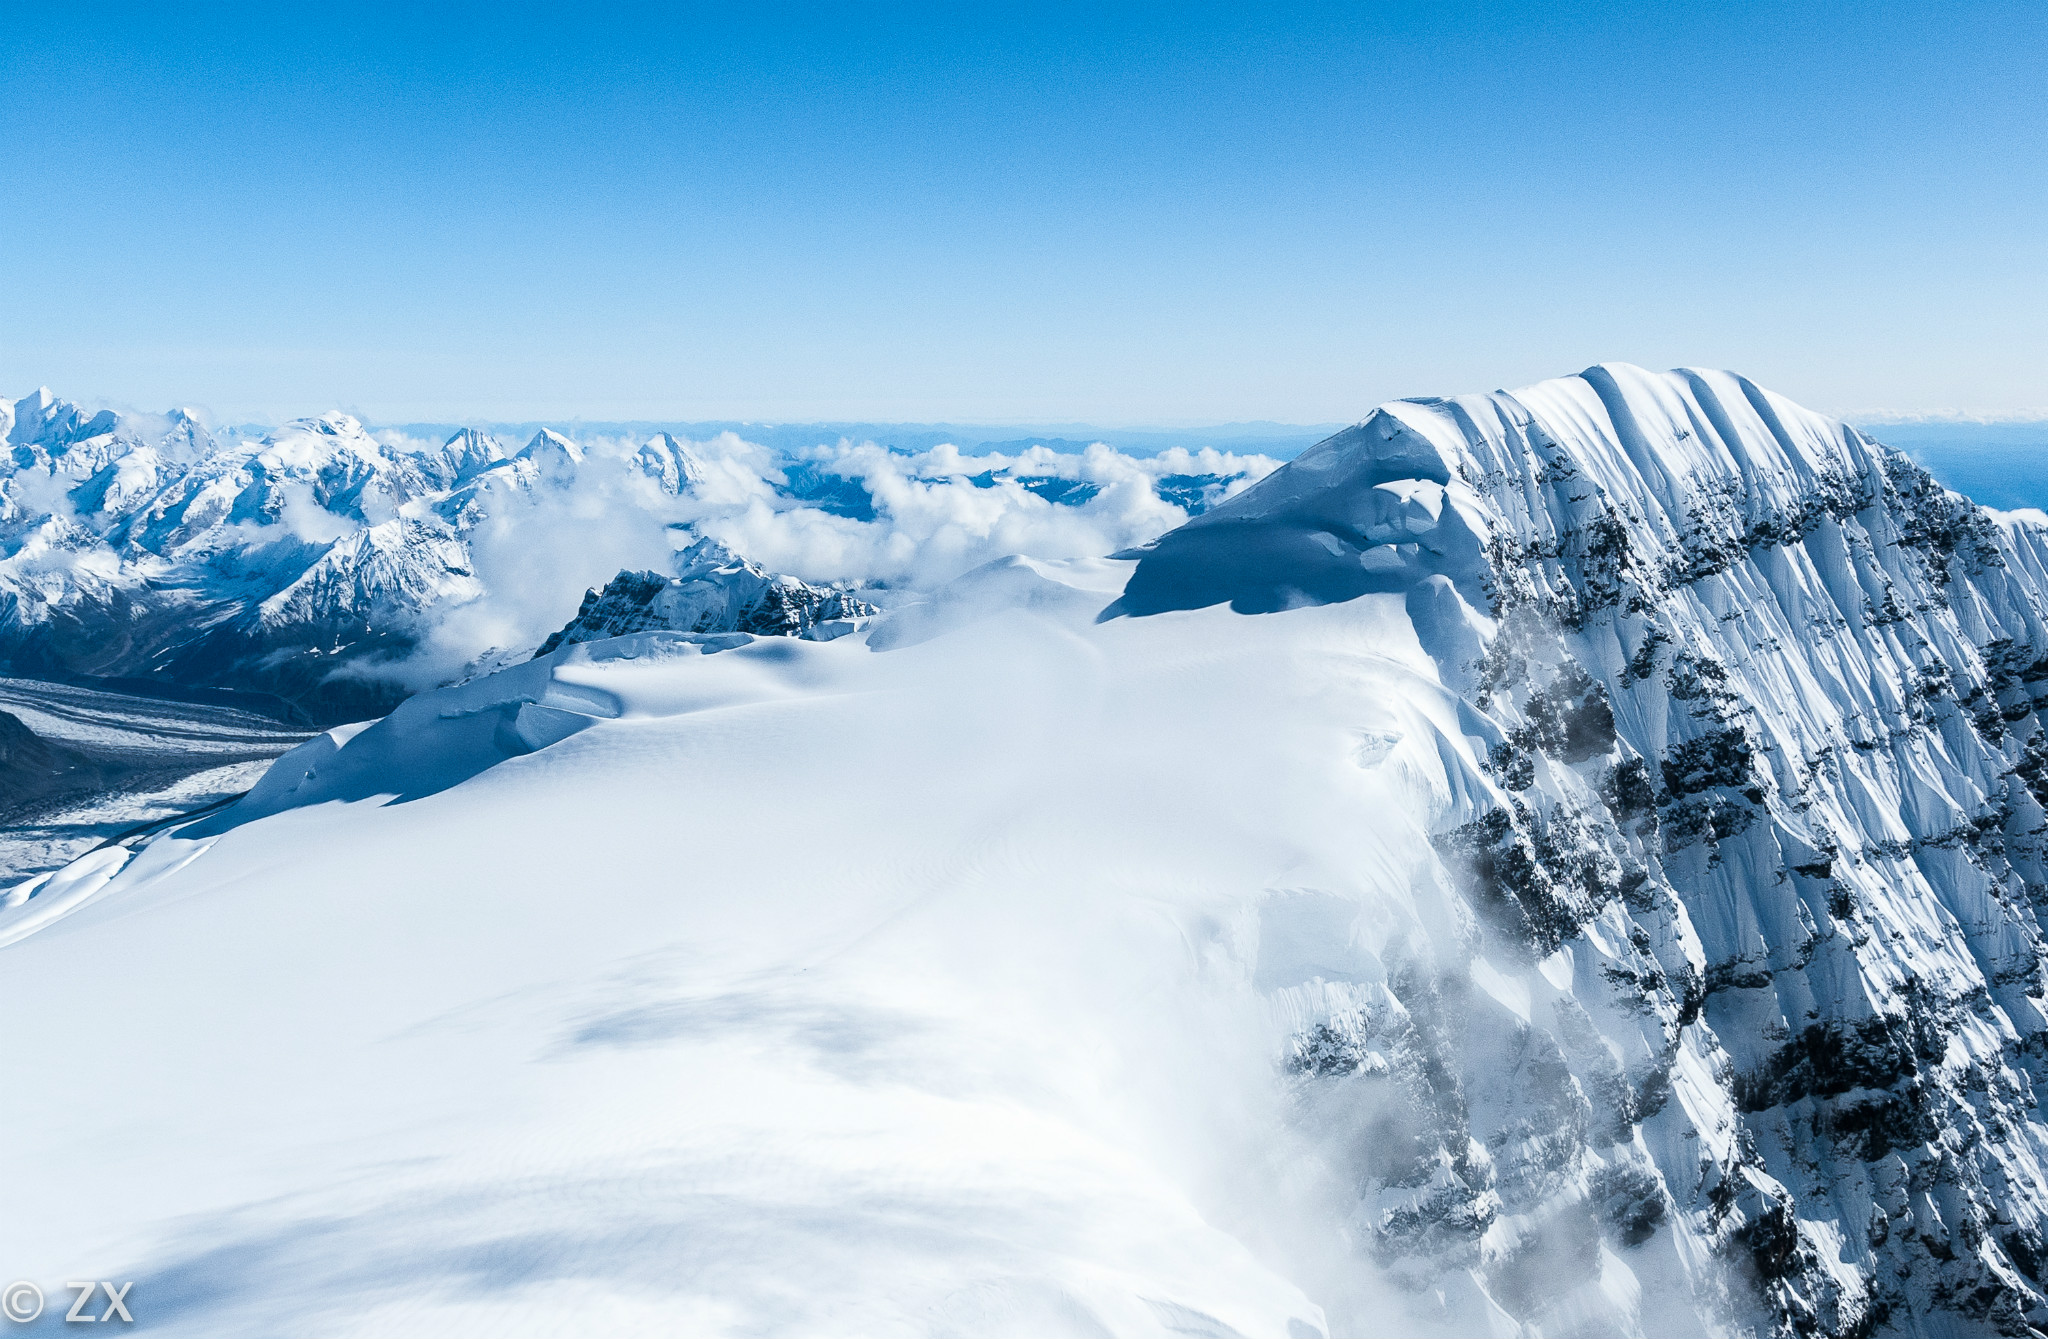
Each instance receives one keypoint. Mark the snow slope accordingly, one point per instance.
(1550, 863)
(802, 988)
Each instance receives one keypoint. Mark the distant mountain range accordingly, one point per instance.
(1282, 441)
(299, 569)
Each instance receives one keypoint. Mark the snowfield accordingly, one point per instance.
(805, 990)
(1551, 864)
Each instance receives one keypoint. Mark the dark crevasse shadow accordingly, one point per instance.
(1261, 568)
(1269, 569)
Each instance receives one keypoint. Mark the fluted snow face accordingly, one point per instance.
(1761, 826)
(671, 464)
(381, 573)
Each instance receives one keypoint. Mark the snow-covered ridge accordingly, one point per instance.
(1546, 863)
(333, 569)
(1760, 703)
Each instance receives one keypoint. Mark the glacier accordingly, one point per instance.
(79, 767)
(1560, 862)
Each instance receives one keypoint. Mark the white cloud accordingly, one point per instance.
(931, 523)
(540, 548)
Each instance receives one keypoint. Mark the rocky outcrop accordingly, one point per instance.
(714, 590)
(1763, 803)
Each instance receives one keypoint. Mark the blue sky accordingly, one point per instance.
(1103, 214)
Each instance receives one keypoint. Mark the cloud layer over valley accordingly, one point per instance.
(335, 568)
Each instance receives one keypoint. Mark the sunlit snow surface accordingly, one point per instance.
(820, 990)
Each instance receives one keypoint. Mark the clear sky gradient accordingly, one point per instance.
(1106, 214)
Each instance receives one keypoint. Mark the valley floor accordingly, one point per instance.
(102, 763)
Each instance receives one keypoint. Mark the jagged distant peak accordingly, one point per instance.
(548, 440)
(670, 462)
(473, 439)
(710, 556)
(470, 451)
(715, 590)
(332, 437)
(333, 423)
(43, 419)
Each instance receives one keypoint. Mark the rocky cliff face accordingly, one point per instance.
(1748, 1015)
(714, 590)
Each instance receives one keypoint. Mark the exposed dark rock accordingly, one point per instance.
(1820, 678)
(715, 590)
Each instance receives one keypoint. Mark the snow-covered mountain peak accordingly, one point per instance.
(334, 423)
(1763, 699)
(326, 435)
(670, 463)
(30, 416)
(548, 446)
(714, 590)
(44, 427)
(469, 452)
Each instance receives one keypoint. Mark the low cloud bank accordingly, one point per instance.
(853, 514)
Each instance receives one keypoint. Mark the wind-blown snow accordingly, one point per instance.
(1552, 863)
